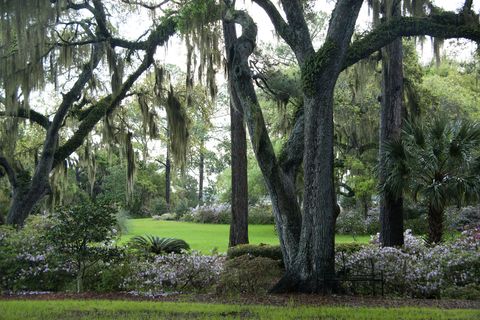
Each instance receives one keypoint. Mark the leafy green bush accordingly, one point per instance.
(275, 253)
(469, 292)
(157, 245)
(248, 274)
(350, 222)
(159, 206)
(260, 213)
(349, 247)
(166, 217)
(110, 276)
(28, 261)
(262, 250)
(81, 236)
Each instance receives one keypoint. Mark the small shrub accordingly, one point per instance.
(349, 247)
(261, 213)
(466, 217)
(109, 276)
(249, 274)
(175, 272)
(350, 222)
(275, 252)
(469, 292)
(28, 261)
(82, 235)
(262, 250)
(157, 245)
(214, 213)
(166, 217)
(159, 206)
(418, 270)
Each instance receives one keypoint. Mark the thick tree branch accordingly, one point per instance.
(467, 7)
(445, 25)
(281, 26)
(32, 115)
(109, 103)
(12, 177)
(303, 47)
(291, 157)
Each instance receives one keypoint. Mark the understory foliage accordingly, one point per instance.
(419, 270)
(249, 274)
(174, 273)
(260, 213)
(31, 261)
(157, 245)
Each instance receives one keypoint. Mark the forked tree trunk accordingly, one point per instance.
(309, 256)
(391, 208)
(239, 199)
(435, 225)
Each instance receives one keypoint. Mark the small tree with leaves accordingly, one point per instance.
(81, 235)
(436, 164)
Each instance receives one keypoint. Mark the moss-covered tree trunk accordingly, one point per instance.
(239, 182)
(391, 112)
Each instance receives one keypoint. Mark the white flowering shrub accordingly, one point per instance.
(211, 213)
(175, 272)
(416, 269)
(27, 260)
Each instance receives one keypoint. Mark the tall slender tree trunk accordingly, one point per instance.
(435, 225)
(168, 168)
(391, 208)
(201, 170)
(239, 223)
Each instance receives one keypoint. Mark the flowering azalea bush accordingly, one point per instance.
(28, 261)
(175, 272)
(419, 270)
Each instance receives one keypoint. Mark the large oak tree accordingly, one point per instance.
(307, 238)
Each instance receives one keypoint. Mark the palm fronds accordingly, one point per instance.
(159, 245)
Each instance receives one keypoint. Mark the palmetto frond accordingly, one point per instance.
(159, 245)
(439, 162)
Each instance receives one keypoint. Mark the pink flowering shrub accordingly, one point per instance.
(419, 270)
(175, 272)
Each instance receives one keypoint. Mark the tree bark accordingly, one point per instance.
(435, 225)
(238, 143)
(168, 168)
(391, 113)
(25, 199)
(280, 187)
(201, 169)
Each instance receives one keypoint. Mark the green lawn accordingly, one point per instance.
(105, 309)
(205, 237)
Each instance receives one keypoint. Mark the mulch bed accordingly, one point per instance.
(274, 300)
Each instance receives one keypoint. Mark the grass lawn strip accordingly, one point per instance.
(206, 237)
(118, 309)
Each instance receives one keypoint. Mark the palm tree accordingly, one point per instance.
(436, 163)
